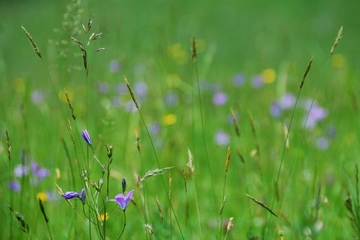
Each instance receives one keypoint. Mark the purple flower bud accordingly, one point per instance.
(14, 185)
(83, 196)
(123, 183)
(71, 195)
(86, 137)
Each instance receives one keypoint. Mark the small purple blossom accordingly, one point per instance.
(121, 88)
(130, 106)
(220, 98)
(122, 200)
(275, 109)
(37, 171)
(171, 99)
(14, 185)
(154, 128)
(103, 87)
(37, 97)
(222, 138)
(239, 80)
(70, 195)
(115, 66)
(287, 101)
(20, 170)
(316, 114)
(140, 89)
(86, 137)
(322, 143)
(257, 81)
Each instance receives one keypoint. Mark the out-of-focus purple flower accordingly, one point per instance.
(222, 138)
(239, 80)
(171, 99)
(220, 98)
(332, 131)
(37, 97)
(14, 185)
(275, 109)
(20, 170)
(130, 106)
(103, 87)
(316, 114)
(116, 102)
(121, 88)
(122, 200)
(154, 128)
(322, 143)
(287, 101)
(257, 81)
(83, 196)
(115, 66)
(86, 137)
(205, 85)
(140, 89)
(37, 171)
(71, 195)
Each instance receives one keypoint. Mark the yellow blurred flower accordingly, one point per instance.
(19, 85)
(169, 119)
(62, 95)
(103, 217)
(338, 61)
(42, 196)
(177, 53)
(269, 75)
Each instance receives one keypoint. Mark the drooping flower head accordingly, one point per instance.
(122, 200)
(86, 137)
(70, 195)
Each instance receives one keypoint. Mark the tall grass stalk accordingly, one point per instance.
(337, 40)
(154, 151)
(194, 58)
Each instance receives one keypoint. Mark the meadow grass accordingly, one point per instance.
(129, 126)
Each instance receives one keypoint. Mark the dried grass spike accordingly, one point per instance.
(32, 42)
(20, 219)
(70, 106)
(337, 40)
(131, 93)
(154, 172)
(222, 205)
(43, 211)
(8, 145)
(227, 159)
(306, 72)
(193, 49)
(230, 224)
(160, 210)
(149, 228)
(235, 123)
(261, 204)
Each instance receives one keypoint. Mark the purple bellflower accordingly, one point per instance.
(71, 194)
(122, 200)
(86, 137)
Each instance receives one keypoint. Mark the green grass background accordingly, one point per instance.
(239, 36)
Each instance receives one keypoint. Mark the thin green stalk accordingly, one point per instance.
(123, 225)
(154, 151)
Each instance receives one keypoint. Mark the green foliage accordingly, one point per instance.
(179, 145)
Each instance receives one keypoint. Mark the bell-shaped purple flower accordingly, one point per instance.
(86, 137)
(71, 195)
(122, 200)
